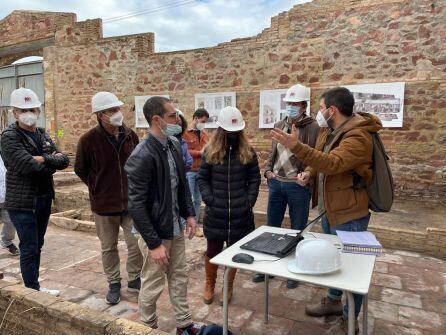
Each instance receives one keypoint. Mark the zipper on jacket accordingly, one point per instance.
(229, 193)
(120, 170)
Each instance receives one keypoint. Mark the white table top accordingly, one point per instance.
(354, 276)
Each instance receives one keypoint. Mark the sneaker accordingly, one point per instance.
(290, 284)
(13, 250)
(114, 294)
(54, 293)
(134, 285)
(326, 307)
(192, 329)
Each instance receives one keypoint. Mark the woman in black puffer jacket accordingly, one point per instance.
(229, 180)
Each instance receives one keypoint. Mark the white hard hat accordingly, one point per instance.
(230, 119)
(315, 257)
(297, 93)
(104, 100)
(24, 98)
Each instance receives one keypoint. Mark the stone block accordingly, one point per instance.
(92, 321)
(40, 299)
(386, 280)
(126, 327)
(16, 292)
(421, 319)
(401, 298)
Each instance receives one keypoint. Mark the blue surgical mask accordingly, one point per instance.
(171, 129)
(293, 111)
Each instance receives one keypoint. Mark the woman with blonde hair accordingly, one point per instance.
(229, 180)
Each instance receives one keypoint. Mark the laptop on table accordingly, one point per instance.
(279, 245)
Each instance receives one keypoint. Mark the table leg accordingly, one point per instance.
(266, 299)
(351, 314)
(365, 314)
(225, 301)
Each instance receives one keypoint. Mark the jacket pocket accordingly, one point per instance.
(341, 194)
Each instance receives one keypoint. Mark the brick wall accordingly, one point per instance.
(29, 312)
(319, 44)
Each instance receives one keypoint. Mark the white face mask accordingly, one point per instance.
(321, 121)
(200, 126)
(28, 118)
(116, 119)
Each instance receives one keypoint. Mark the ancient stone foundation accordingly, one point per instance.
(25, 311)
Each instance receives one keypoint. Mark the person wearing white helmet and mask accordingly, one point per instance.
(159, 199)
(229, 180)
(283, 168)
(100, 158)
(31, 158)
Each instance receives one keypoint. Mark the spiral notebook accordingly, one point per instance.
(363, 242)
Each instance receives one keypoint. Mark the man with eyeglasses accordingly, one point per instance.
(343, 153)
(158, 198)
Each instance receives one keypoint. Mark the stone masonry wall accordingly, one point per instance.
(24, 26)
(319, 44)
(29, 312)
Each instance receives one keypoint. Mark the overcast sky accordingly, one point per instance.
(177, 24)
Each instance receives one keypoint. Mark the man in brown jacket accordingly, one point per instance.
(101, 155)
(196, 138)
(283, 168)
(343, 154)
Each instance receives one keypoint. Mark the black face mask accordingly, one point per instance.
(232, 139)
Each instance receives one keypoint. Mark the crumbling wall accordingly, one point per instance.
(29, 312)
(320, 44)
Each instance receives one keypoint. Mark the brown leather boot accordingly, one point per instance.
(326, 307)
(231, 278)
(211, 277)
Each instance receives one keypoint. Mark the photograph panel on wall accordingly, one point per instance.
(213, 103)
(140, 120)
(273, 108)
(385, 100)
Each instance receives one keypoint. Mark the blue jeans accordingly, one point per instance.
(292, 194)
(360, 224)
(31, 229)
(195, 192)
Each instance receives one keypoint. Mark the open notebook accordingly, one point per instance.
(363, 242)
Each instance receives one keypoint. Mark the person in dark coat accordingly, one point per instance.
(229, 180)
(31, 158)
(100, 159)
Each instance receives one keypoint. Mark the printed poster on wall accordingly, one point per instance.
(385, 100)
(272, 107)
(213, 103)
(140, 120)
